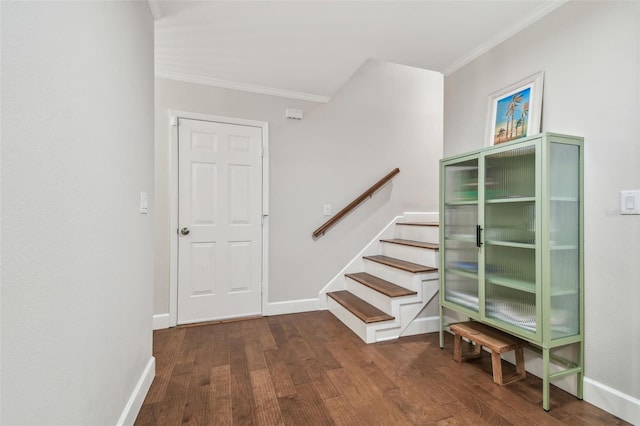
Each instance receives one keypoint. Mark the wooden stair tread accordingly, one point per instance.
(363, 310)
(401, 264)
(382, 286)
(412, 243)
(418, 223)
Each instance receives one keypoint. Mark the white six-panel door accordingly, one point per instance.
(220, 220)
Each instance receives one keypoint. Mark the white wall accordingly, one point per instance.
(385, 116)
(77, 149)
(589, 52)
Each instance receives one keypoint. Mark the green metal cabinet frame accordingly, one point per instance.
(546, 209)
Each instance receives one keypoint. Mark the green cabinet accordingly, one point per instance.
(511, 243)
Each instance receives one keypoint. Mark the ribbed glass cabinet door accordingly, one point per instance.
(510, 237)
(460, 225)
(564, 240)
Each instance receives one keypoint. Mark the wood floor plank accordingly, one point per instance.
(243, 407)
(220, 395)
(308, 368)
(167, 346)
(323, 384)
(177, 393)
(267, 407)
(341, 412)
(253, 350)
(267, 342)
(304, 407)
(220, 345)
(279, 372)
(196, 409)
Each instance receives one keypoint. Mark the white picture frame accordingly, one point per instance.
(515, 111)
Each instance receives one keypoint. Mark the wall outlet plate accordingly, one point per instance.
(630, 202)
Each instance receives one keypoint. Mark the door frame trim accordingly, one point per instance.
(173, 219)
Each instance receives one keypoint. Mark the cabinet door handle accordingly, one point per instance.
(478, 236)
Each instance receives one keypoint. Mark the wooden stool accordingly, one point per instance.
(497, 341)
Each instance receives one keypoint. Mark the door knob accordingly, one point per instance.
(184, 231)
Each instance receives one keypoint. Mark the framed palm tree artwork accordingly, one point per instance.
(515, 111)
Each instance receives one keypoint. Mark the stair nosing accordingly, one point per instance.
(361, 277)
(406, 266)
(419, 223)
(367, 319)
(412, 243)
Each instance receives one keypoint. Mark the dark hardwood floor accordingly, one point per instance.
(309, 369)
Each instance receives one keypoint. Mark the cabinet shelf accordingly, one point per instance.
(512, 199)
(555, 247)
(511, 244)
(462, 203)
(462, 273)
(564, 199)
(514, 283)
(465, 238)
(563, 292)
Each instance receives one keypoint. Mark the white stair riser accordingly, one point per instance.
(398, 276)
(429, 234)
(363, 330)
(421, 256)
(421, 217)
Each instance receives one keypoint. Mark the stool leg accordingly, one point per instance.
(496, 365)
(520, 363)
(457, 347)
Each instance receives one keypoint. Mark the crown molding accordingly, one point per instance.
(156, 10)
(490, 44)
(244, 87)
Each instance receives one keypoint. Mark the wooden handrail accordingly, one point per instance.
(355, 203)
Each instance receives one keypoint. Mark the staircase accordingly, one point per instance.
(383, 294)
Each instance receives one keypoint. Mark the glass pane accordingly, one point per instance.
(462, 291)
(511, 174)
(514, 307)
(510, 277)
(461, 256)
(564, 238)
(461, 182)
(460, 221)
(511, 222)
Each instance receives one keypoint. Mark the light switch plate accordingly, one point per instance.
(144, 203)
(630, 202)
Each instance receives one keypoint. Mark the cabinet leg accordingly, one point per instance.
(545, 379)
(580, 375)
(441, 327)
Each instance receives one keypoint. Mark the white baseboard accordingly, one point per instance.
(422, 326)
(291, 307)
(161, 321)
(131, 410)
(612, 400)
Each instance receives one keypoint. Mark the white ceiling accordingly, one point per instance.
(308, 49)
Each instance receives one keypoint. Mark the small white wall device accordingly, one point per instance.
(630, 202)
(293, 113)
